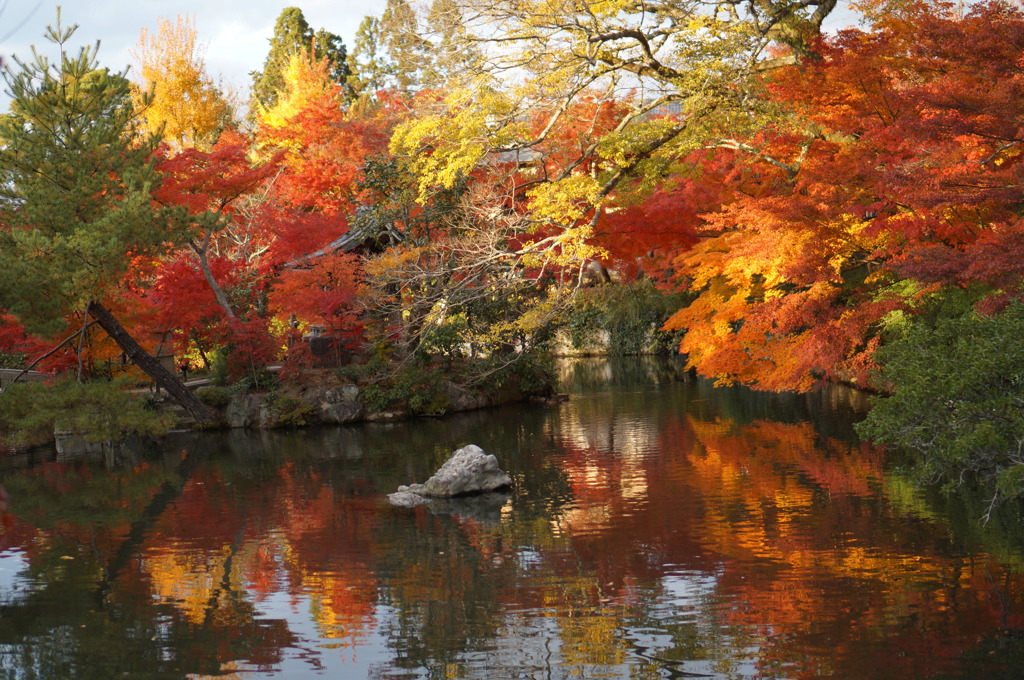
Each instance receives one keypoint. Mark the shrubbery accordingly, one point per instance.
(958, 399)
(98, 411)
(417, 387)
(632, 315)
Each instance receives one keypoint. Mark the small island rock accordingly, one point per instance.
(468, 471)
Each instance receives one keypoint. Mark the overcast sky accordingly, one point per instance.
(236, 34)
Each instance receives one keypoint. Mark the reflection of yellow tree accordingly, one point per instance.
(227, 672)
(341, 603)
(188, 579)
(324, 550)
(589, 633)
(296, 537)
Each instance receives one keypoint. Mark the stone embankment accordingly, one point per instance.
(334, 404)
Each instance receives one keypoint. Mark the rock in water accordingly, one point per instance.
(468, 471)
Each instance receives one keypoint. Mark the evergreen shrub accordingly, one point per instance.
(957, 401)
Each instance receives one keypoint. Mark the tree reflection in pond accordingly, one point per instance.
(657, 528)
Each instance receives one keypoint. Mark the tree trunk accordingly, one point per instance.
(204, 266)
(163, 378)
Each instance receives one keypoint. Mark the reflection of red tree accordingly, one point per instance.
(329, 542)
(15, 533)
(189, 557)
(611, 520)
(789, 524)
(293, 533)
(814, 557)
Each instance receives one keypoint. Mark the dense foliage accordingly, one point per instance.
(412, 204)
(959, 399)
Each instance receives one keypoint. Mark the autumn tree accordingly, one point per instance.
(665, 77)
(950, 230)
(75, 201)
(212, 186)
(891, 184)
(451, 285)
(253, 218)
(321, 153)
(320, 292)
(16, 345)
(316, 196)
(185, 108)
(305, 80)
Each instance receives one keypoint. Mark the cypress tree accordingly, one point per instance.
(331, 46)
(454, 54)
(366, 62)
(292, 33)
(408, 54)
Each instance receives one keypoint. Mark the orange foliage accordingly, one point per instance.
(910, 173)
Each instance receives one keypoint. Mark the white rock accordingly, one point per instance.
(468, 471)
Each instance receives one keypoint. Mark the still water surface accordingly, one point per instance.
(657, 528)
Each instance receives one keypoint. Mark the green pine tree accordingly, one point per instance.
(76, 175)
(407, 53)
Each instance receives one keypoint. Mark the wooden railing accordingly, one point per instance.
(8, 375)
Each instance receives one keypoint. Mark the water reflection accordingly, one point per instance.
(658, 528)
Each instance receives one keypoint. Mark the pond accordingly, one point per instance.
(657, 528)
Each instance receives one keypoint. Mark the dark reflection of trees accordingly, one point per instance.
(438, 584)
(611, 373)
(77, 623)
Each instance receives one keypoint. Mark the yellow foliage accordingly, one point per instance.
(566, 200)
(186, 108)
(306, 80)
(448, 145)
